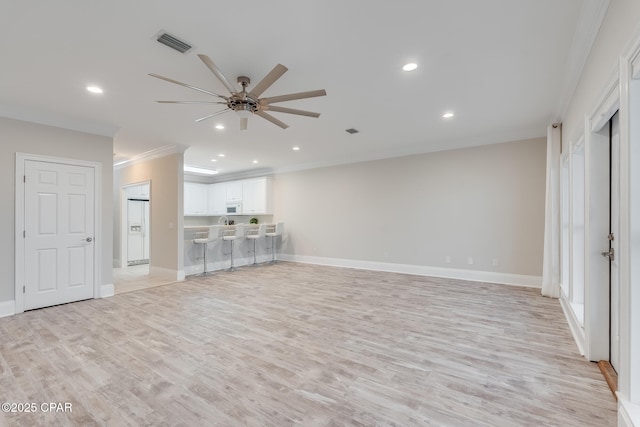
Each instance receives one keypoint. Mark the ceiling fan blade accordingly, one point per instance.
(167, 79)
(292, 111)
(215, 70)
(268, 80)
(243, 123)
(213, 115)
(271, 119)
(292, 96)
(191, 102)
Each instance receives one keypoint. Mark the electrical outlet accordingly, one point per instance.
(495, 262)
(470, 260)
(447, 259)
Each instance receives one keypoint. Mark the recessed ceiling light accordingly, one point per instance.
(448, 115)
(220, 155)
(214, 160)
(198, 170)
(255, 161)
(296, 148)
(219, 126)
(410, 66)
(94, 89)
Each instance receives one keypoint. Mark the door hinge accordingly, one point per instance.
(609, 254)
(23, 289)
(611, 237)
(24, 178)
(24, 234)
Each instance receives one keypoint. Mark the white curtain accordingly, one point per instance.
(551, 255)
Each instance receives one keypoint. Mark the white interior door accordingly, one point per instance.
(59, 219)
(614, 242)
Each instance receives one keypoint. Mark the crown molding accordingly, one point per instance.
(150, 155)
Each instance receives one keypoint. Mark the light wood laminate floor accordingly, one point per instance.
(293, 344)
(135, 278)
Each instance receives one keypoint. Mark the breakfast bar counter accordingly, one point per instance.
(219, 239)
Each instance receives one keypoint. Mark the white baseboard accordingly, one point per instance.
(628, 413)
(107, 291)
(421, 270)
(574, 324)
(7, 308)
(166, 273)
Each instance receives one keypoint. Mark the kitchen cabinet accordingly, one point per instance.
(138, 191)
(217, 199)
(195, 198)
(256, 196)
(234, 191)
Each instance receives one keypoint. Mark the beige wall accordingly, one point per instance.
(484, 202)
(165, 175)
(620, 24)
(31, 138)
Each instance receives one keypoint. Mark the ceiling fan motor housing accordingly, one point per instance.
(242, 101)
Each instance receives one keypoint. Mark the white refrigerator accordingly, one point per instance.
(137, 231)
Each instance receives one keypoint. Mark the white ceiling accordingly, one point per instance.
(506, 68)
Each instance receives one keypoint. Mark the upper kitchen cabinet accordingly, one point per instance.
(217, 199)
(234, 191)
(257, 196)
(253, 197)
(138, 191)
(196, 198)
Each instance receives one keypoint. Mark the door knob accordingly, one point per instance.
(89, 239)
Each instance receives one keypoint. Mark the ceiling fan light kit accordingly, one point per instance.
(244, 112)
(247, 104)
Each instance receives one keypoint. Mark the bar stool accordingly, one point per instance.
(204, 238)
(255, 234)
(231, 235)
(273, 232)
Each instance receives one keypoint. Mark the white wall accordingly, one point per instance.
(483, 202)
(31, 138)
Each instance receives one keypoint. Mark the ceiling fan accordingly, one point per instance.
(247, 103)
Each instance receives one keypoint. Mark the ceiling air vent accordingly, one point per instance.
(173, 42)
(352, 131)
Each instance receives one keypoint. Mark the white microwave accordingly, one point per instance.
(234, 209)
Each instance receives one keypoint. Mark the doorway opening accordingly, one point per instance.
(602, 302)
(610, 245)
(135, 225)
(135, 238)
(610, 252)
(132, 272)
